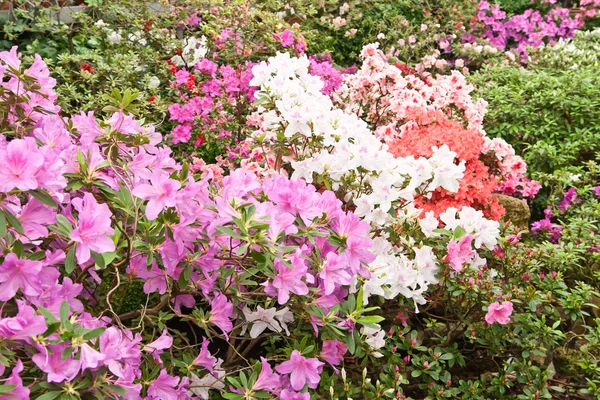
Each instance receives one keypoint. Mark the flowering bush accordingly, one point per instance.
(414, 115)
(90, 207)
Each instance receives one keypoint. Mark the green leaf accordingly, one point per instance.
(49, 396)
(70, 263)
(7, 388)
(64, 224)
(66, 353)
(98, 259)
(116, 389)
(230, 232)
(50, 318)
(2, 225)
(64, 312)
(44, 198)
(94, 333)
(359, 299)
(13, 221)
(459, 232)
(370, 319)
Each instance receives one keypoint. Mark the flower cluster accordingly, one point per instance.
(530, 29)
(414, 116)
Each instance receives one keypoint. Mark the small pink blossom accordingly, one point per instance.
(302, 370)
(499, 313)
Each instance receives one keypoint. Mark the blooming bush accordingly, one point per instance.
(414, 115)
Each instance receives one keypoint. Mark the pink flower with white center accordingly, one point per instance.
(162, 193)
(499, 313)
(302, 370)
(92, 227)
(18, 274)
(20, 162)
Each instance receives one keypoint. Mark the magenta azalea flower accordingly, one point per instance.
(333, 272)
(302, 370)
(499, 313)
(92, 227)
(291, 395)
(20, 162)
(50, 361)
(220, 311)
(161, 194)
(18, 274)
(267, 379)
(24, 325)
(290, 279)
(333, 351)
(205, 359)
(460, 252)
(163, 388)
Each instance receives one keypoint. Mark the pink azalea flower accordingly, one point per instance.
(220, 312)
(34, 218)
(18, 274)
(20, 162)
(161, 193)
(333, 272)
(460, 252)
(24, 325)
(89, 357)
(291, 395)
(19, 392)
(205, 359)
(286, 38)
(49, 360)
(156, 348)
(267, 379)
(333, 351)
(290, 279)
(11, 58)
(163, 388)
(302, 370)
(121, 349)
(499, 313)
(92, 227)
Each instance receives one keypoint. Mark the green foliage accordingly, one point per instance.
(549, 116)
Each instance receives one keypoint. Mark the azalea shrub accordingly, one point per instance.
(250, 283)
(199, 202)
(414, 114)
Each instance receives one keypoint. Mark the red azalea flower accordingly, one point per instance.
(87, 67)
(200, 141)
(148, 26)
(151, 99)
